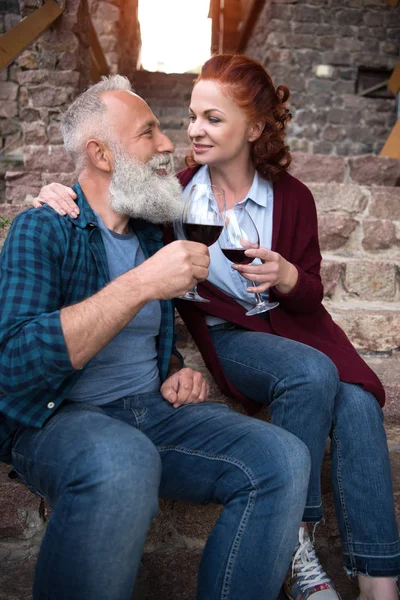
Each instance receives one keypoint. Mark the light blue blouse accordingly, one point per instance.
(259, 203)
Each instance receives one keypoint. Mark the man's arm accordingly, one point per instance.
(41, 345)
(89, 325)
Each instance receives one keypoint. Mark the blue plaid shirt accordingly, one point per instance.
(48, 262)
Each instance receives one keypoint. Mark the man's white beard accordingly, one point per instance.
(136, 190)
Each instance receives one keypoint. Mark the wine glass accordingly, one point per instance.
(240, 234)
(202, 221)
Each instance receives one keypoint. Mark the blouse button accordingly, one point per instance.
(51, 405)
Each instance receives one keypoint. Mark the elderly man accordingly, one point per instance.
(97, 413)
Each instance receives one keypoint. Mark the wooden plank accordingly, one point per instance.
(97, 53)
(254, 11)
(392, 146)
(394, 81)
(374, 88)
(16, 39)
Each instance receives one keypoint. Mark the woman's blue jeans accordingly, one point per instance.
(103, 468)
(305, 396)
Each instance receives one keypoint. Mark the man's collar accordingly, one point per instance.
(86, 214)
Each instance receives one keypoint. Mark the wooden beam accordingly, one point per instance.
(253, 14)
(393, 3)
(392, 146)
(99, 63)
(19, 37)
(394, 81)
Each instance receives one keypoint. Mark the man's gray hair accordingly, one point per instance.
(86, 118)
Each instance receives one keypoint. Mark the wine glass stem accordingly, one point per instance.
(257, 295)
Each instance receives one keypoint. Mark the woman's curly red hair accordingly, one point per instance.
(250, 86)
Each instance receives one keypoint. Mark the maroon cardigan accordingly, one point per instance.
(300, 315)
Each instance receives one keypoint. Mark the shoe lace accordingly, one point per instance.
(307, 568)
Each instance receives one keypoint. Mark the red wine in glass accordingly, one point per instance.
(205, 234)
(202, 221)
(237, 256)
(240, 234)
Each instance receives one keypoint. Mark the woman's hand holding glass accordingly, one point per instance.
(239, 241)
(275, 271)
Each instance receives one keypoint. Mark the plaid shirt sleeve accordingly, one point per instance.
(33, 353)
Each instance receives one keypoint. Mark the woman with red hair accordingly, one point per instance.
(294, 358)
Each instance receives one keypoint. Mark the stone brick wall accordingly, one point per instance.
(293, 37)
(49, 75)
(10, 131)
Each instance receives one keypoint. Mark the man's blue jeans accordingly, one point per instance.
(102, 469)
(305, 396)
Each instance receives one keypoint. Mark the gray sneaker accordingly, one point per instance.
(307, 580)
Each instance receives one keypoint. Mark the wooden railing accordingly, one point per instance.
(232, 23)
(392, 145)
(19, 37)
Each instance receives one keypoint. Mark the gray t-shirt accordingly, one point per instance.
(128, 364)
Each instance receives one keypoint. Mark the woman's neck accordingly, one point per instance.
(235, 181)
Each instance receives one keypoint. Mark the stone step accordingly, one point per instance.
(370, 328)
(363, 170)
(388, 370)
(369, 280)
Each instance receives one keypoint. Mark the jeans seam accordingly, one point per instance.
(226, 584)
(348, 533)
(237, 362)
(207, 455)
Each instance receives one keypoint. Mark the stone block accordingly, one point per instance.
(22, 186)
(68, 61)
(317, 168)
(378, 234)
(334, 133)
(54, 134)
(8, 109)
(168, 574)
(10, 211)
(45, 95)
(8, 126)
(28, 60)
(55, 78)
(322, 147)
(29, 114)
(388, 370)
(385, 203)
(67, 179)
(162, 527)
(49, 159)
(330, 274)
(19, 509)
(335, 230)
(58, 39)
(333, 197)
(8, 90)
(34, 133)
(374, 170)
(369, 330)
(373, 19)
(194, 521)
(371, 280)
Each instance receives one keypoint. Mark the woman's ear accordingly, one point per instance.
(99, 155)
(255, 131)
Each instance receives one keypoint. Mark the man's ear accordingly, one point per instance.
(255, 130)
(99, 155)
